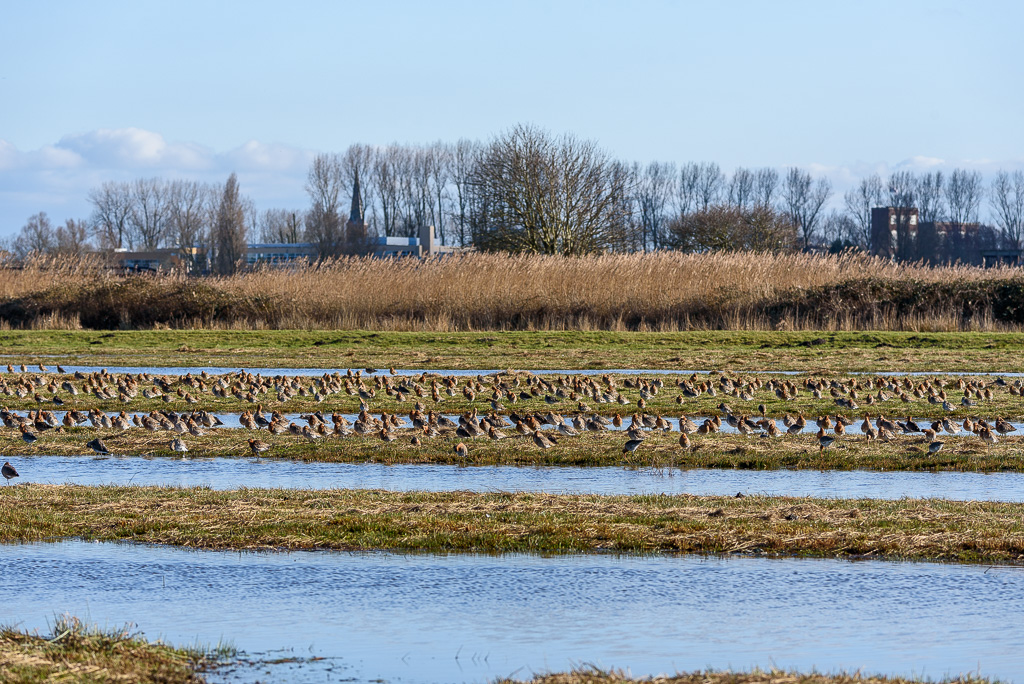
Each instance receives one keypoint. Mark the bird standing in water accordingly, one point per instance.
(8, 472)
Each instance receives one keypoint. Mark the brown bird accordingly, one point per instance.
(460, 450)
(684, 440)
(258, 446)
(631, 446)
(543, 441)
(27, 435)
(98, 446)
(8, 472)
(177, 444)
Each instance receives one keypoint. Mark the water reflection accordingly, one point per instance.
(462, 618)
(231, 473)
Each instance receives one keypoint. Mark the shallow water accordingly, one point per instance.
(317, 372)
(231, 421)
(226, 473)
(466, 618)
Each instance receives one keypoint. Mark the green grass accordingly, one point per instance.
(931, 529)
(747, 351)
(75, 651)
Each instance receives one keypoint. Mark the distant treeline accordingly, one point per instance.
(526, 190)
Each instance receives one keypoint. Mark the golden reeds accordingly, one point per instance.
(663, 291)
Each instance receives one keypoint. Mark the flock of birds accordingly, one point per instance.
(500, 392)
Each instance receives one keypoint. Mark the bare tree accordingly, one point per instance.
(191, 207)
(766, 187)
(654, 188)
(841, 230)
(710, 183)
(229, 230)
(148, 220)
(72, 239)
(464, 158)
(742, 188)
(325, 183)
(551, 195)
(388, 164)
(804, 199)
(1007, 200)
(36, 237)
(963, 195)
(903, 186)
(280, 226)
(930, 197)
(112, 207)
(859, 201)
(439, 167)
(688, 188)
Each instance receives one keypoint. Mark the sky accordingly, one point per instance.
(98, 91)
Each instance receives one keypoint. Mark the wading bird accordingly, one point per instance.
(8, 472)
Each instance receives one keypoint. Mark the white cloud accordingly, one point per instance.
(258, 156)
(137, 148)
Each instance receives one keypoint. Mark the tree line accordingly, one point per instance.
(528, 190)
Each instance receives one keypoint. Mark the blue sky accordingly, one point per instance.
(118, 90)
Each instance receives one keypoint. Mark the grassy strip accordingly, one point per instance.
(520, 522)
(659, 450)
(596, 676)
(738, 351)
(80, 653)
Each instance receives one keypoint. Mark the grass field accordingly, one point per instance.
(929, 529)
(838, 352)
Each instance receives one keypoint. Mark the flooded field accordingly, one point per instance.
(233, 473)
(466, 618)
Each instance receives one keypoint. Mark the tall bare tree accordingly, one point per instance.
(710, 183)
(280, 226)
(766, 187)
(36, 237)
(742, 188)
(72, 239)
(1007, 202)
(859, 201)
(688, 188)
(804, 198)
(229, 230)
(148, 220)
(112, 207)
(325, 183)
(963, 195)
(551, 195)
(464, 158)
(930, 198)
(654, 189)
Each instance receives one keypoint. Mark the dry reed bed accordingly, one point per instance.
(516, 522)
(596, 676)
(663, 291)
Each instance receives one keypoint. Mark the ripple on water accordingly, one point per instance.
(430, 618)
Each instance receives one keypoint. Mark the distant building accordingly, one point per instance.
(898, 233)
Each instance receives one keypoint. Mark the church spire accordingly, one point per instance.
(355, 216)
